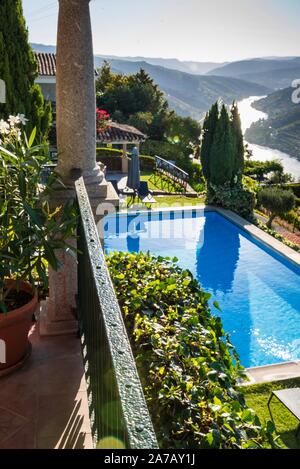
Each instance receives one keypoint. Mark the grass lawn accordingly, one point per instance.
(158, 182)
(168, 201)
(177, 200)
(257, 397)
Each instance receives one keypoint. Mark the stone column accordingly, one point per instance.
(76, 138)
(76, 98)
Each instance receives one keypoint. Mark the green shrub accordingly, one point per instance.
(194, 170)
(262, 168)
(278, 201)
(108, 152)
(238, 199)
(147, 163)
(292, 218)
(295, 188)
(166, 150)
(278, 236)
(184, 358)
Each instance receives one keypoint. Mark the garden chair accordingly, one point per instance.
(290, 398)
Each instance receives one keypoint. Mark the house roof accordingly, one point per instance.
(46, 63)
(120, 133)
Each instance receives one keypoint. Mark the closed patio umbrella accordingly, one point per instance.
(134, 177)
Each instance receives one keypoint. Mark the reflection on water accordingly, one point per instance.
(221, 257)
(249, 115)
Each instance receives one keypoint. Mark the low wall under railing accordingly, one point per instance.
(118, 409)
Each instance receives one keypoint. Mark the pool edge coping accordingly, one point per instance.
(272, 373)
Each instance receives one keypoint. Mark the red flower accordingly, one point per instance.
(102, 118)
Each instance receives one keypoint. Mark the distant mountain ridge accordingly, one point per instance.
(274, 73)
(188, 94)
(192, 94)
(188, 66)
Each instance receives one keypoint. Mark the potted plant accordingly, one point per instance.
(30, 234)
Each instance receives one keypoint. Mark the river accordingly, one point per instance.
(248, 116)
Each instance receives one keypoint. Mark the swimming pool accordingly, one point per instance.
(258, 289)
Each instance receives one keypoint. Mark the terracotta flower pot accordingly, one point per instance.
(14, 329)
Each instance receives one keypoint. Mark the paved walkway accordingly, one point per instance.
(44, 405)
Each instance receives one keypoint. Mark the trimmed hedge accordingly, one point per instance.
(104, 154)
(184, 358)
(295, 188)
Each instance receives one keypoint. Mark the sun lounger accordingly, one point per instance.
(290, 398)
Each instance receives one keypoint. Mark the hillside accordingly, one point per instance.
(274, 73)
(193, 67)
(192, 94)
(281, 130)
(188, 94)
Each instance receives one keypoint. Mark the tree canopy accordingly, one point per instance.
(222, 158)
(133, 99)
(277, 201)
(18, 70)
(137, 100)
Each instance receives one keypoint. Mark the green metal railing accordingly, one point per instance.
(118, 409)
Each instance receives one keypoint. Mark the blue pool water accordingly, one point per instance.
(257, 289)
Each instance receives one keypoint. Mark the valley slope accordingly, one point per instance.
(281, 130)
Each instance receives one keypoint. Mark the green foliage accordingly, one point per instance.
(222, 157)
(238, 144)
(257, 397)
(278, 236)
(184, 358)
(295, 188)
(293, 218)
(165, 149)
(134, 99)
(277, 201)
(222, 151)
(18, 69)
(261, 169)
(31, 230)
(147, 163)
(138, 101)
(194, 170)
(237, 199)
(185, 133)
(208, 132)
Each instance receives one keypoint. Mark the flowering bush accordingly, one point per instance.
(31, 231)
(102, 118)
(10, 130)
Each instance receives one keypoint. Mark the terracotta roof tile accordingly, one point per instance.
(47, 64)
(120, 133)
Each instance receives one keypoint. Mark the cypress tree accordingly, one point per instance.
(18, 69)
(209, 128)
(238, 145)
(222, 150)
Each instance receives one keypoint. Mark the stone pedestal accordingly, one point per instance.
(58, 313)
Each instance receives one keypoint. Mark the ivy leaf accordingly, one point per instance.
(217, 306)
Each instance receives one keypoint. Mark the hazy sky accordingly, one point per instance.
(217, 30)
